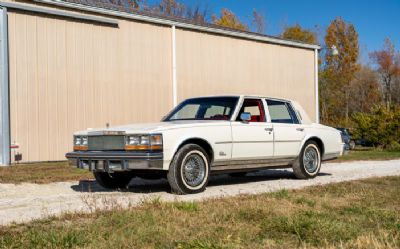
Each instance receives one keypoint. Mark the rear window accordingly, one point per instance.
(281, 112)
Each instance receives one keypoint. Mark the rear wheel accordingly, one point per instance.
(189, 170)
(308, 163)
(113, 180)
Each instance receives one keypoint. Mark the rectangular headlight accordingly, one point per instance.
(80, 142)
(144, 142)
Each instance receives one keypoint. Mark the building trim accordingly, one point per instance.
(174, 77)
(4, 91)
(65, 14)
(177, 24)
(317, 118)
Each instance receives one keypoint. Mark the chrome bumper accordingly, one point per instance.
(111, 161)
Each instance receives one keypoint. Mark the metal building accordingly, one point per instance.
(71, 65)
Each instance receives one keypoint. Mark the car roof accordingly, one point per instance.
(242, 96)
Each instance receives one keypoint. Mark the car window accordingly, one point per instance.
(255, 108)
(281, 112)
(187, 112)
(215, 111)
(207, 108)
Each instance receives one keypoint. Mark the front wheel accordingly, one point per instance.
(189, 170)
(113, 180)
(308, 164)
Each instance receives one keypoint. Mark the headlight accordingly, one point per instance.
(144, 142)
(80, 143)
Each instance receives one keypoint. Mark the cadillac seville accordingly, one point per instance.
(208, 135)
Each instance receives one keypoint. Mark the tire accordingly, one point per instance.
(190, 155)
(301, 169)
(119, 180)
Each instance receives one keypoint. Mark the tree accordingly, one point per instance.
(364, 90)
(171, 8)
(197, 14)
(388, 61)
(230, 20)
(258, 22)
(297, 33)
(338, 71)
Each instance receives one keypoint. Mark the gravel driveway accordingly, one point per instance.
(24, 202)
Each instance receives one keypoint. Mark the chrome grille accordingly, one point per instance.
(106, 142)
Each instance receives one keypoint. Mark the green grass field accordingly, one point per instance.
(368, 154)
(359, 214)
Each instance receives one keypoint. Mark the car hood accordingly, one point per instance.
(145, 128)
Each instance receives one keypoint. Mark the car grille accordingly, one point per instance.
(106, 142)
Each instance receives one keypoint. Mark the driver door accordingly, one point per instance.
(252, 140)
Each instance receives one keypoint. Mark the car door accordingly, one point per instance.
(253, 139)
(288, 131)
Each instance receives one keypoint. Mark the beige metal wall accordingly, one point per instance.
(67, 76)
(211, 64)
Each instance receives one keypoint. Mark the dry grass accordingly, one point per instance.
(42, 173)
(359, 214)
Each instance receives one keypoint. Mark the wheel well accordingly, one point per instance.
(202, 143)
(319, 143)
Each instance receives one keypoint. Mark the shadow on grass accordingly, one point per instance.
(138, 185)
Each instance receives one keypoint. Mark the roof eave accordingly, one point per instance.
(168, 22)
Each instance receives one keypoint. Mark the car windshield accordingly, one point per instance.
(210, 108)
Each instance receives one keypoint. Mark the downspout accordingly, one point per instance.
(316, 86)
(174, 79)
(4, 91)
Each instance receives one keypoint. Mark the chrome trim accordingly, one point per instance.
(65, 14)
(111, 155)
(330, 156)
(252, 163)
(287, 141)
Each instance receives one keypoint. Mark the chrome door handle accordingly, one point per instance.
(300, 129)
(269, 129)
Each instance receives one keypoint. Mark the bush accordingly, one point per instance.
(380, 127)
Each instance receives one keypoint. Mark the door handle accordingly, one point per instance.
(269, 129)
(300, 129)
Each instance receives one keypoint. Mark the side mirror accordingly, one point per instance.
(245, 116)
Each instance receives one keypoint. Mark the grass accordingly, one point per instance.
(359, 214)
(42, 173)
(368, 154)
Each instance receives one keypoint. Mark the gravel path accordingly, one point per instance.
(25, 202)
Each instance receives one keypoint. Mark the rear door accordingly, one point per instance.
(288, 132)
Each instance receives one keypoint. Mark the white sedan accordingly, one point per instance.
(208, 135)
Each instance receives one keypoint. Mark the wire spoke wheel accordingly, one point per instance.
(311, 159)
(194, 169)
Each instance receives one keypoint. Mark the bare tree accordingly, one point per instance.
(258, 22)
(388, 61)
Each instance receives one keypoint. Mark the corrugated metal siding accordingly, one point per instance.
(67, 76)
(210, 64)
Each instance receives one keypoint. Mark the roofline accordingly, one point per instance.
(163, 21)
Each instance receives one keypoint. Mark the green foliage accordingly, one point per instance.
(297, 33)
(380, 127)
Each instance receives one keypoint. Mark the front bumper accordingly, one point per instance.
(111, 161)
